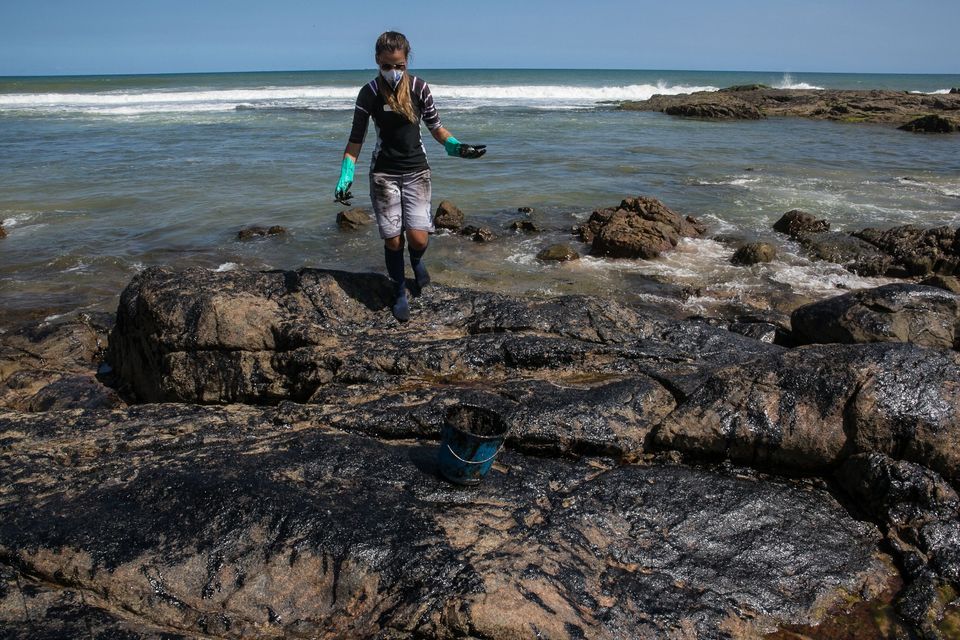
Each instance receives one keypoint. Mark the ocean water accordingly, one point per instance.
(104, 176)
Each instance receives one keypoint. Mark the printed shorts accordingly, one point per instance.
(401, 202)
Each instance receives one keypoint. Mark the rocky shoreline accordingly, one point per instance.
(936, 113)
(251, 454)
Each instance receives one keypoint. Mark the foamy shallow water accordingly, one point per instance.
(104, 177)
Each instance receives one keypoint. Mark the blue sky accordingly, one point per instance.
(107, 36)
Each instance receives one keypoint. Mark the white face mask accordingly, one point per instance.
(392, 76)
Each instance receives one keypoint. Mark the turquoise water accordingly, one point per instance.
(103, 176)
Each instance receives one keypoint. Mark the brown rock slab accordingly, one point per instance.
(478, 234)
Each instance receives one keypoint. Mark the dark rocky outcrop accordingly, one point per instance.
(745, 87)
(920, 514)
(640, 227)
(526, 226)
(930, 124)
(245, 522)
(448, 216)
(716, 110)
(888, 107)
(3, 232)
(814, 406)
(527, 210)
(891, 313)
(631, 499)
(902, 251)
(796, 223)
(242, 336)
(558, 252)
(260, 232)
(753, 253)
(353, 219)
(916, 250)
(855, 254)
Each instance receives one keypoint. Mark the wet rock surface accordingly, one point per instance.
(260, 232)
(448, 216)
(931, 124)
(262, 337)
(238, 522)
(558, 252)
(53, 365)
(353, 219)
(631, 499)
(726, 109)
(753, 253)
(640, 227)
(899, 252)
(880, 106)
(891, 313)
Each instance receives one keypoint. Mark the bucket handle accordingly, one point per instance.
(454, 454)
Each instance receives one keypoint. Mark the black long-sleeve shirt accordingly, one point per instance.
(399, 146)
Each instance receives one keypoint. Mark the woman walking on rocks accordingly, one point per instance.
(399, 173)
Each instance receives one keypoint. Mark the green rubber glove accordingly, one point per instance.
(461, 150)
(346, 179)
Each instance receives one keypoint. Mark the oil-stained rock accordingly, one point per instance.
(263, 337)
(897, 312)
(239, 522)
(811, 407)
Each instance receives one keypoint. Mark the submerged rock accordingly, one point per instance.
(930, 124)
(891, 313)
(753, 253)
(558, 252)
(448, 216)
(949, 283)
(478, 234)
(259, 232)
(240, 523)
(526, 226)
(854, 254)
(3, 232)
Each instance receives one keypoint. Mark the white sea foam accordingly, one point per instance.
(788, 82)
(226, 266)
(938, 92)
(126, 103)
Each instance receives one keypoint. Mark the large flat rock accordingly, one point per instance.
(241, 521)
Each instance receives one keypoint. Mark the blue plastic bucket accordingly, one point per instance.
(469, 441)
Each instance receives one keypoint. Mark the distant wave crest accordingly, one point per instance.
(788, 82)
(327, 98)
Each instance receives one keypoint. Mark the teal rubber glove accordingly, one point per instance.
(461, 150)
(342, 194)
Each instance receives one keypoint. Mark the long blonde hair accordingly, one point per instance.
(399, 98)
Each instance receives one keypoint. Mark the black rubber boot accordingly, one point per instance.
(395, 268)
(419, 269)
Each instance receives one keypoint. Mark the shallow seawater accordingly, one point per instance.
(104, 177)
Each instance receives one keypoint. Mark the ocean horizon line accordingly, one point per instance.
(449, 69)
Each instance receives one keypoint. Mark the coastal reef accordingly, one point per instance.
(254, 456)
(938, 113)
